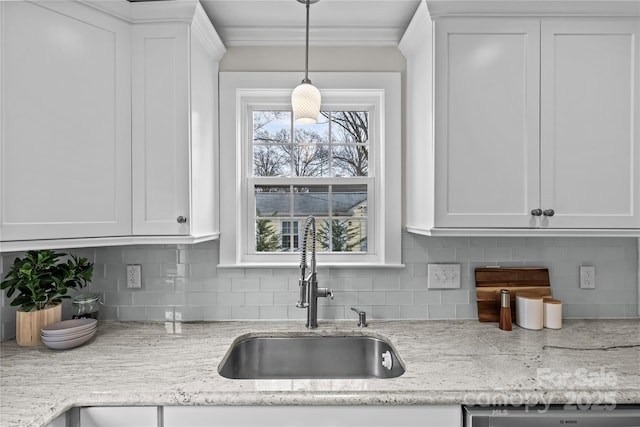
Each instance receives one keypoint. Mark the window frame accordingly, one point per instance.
(377, 93)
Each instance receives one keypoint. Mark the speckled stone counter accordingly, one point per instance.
(447, 362)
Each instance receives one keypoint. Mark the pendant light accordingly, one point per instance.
(305, 99)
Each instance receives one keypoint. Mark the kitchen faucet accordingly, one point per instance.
(309, 291)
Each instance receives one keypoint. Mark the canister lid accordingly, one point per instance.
(85, 298)
(529, 295)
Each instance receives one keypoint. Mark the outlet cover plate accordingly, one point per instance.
(587, 277)
(443, 276)
(134, 276)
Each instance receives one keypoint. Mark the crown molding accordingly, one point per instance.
(539, 8)
(318, 36)
(418, 31)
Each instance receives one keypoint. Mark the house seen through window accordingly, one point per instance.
(320, 170)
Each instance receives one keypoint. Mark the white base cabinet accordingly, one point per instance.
(313, 416)
(120, 416)
(263, 416)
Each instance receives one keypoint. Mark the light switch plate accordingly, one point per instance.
(443, 276)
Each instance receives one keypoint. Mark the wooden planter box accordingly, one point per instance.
(29, 324)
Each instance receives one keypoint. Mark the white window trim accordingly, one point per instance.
(242, 90)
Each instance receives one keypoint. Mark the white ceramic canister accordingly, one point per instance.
(552, 313)
(529, 311)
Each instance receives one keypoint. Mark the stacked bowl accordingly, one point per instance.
(68, 333)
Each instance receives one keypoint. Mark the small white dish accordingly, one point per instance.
(69, 326)
(67, 344)
(66, 337)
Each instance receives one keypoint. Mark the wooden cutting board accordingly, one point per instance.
(489, 282)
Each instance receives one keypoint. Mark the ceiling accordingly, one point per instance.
(332, 22)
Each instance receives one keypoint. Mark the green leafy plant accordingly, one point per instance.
(40, 279)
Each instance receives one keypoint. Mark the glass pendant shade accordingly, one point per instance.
(305, 101)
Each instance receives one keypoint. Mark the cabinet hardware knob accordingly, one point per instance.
(182, 219)
(548, 212)
(536, 212)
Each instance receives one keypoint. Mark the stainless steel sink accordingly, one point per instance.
(310, 357)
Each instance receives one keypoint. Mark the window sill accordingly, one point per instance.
(321, 265)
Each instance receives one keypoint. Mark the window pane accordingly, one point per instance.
(267, 236)
(289, 235)
(350, 127)
(349, 138)
(311, 155)
(271, 127)
(350, 160)
(271, 143)
(273, 201)
(343, 235)
(312, 200)
(272, 160)
(349, 200)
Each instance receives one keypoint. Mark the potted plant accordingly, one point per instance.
(41, 281)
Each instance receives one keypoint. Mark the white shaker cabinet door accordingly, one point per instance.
(590, 123)
(486, 122)
(313, 416)
(119, 416)
(161, 129)
(66, 122)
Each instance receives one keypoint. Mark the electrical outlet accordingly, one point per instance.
(134, 279)
(587, 277)
(443, 276)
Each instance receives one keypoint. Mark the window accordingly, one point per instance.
(334, 170)
(290, 235)
(326, 166)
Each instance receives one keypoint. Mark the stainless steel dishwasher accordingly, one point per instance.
(554, 415)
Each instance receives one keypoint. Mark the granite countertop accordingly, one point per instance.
(447, 362)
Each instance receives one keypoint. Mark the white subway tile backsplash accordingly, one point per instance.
(232, 299)
(384, 283)
(259, 299)
(442, 312)
(371, 298)
(243, 285)
(427, 297)
(497, 254)
(415, 312)
(185, 280)
(216, 313)
(399, 298)
(456, 296)
(441, 254)
(469, 254)
(381, 312)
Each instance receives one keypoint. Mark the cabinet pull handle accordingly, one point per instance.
(536, 212)
(548, 212)
(182, 219)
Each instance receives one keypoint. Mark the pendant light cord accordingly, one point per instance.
(306, 52)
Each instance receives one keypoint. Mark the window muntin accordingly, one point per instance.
(328, 167)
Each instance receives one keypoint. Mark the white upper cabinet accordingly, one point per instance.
(175, 116)
(535, 123)
(486, 122)
(66, 122)
(109, 124)
(590, 123)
